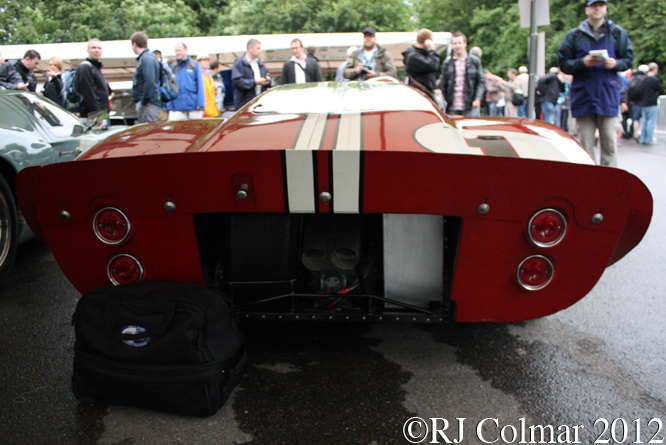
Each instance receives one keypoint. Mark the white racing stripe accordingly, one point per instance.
(347, 164)
(311, 134)
(346, 168)
(301, 185)
(300, 181)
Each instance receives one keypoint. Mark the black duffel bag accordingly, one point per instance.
(168, 346)
(518, 98)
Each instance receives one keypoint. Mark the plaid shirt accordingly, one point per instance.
(459, 83)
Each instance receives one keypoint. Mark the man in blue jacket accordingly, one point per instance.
(145, 81)
(249, 75)
(191, 98)
(593, 53)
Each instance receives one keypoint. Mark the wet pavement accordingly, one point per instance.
(599, 362)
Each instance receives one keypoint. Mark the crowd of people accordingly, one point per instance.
(589, 93)
(592, 93)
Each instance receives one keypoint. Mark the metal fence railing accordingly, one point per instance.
(661, 115)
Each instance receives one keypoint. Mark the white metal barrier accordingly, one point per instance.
(661, 115)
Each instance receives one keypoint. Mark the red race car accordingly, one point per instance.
(344, 201)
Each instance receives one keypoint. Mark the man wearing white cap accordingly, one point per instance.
(523, 82)
(593, 53)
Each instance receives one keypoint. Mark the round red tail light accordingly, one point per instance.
(547, 227)
(111, 225)
(124, 269)
(535, 272)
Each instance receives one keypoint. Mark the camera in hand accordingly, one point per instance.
(366, 69)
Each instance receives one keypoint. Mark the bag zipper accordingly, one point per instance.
(149, 373)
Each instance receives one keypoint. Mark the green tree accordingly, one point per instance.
(53, 21)
(293, 16)
(10, 12)
(158, 18)
(645, 24)
(85, 20)
(497, 31)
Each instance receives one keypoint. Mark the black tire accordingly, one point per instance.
(8, 229)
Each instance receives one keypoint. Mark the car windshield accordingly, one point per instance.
(341, 97)
(61, 122)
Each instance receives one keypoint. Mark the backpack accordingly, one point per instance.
(168, 89)
(70, 96)
(634, 88)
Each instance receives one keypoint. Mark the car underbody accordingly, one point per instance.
(369, 267)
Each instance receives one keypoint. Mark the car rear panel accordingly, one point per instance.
(491, 241)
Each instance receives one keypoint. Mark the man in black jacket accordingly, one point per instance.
(18, 74)
(422, 62)
(145, 81)
(249, 75)
(91, 84)
(300, 69)
(463, 84)
(651, 89)
(548, 91)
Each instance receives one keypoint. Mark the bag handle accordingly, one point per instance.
(111, 319)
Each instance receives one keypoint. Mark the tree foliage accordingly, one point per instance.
(312, 16)
(494, 25)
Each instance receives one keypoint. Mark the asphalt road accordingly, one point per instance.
(599, 362)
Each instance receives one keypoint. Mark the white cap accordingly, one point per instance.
(644, 69)
(203, 56)
(522, 69)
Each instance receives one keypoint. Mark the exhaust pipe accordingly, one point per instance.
(347, 243)
(315, 243)
(344, 231)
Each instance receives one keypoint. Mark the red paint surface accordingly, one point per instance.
(491, 245)
(201, 165)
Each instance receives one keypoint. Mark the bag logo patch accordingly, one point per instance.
(132, 329)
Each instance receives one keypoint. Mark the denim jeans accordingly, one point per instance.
(470, 112)
(494, 110)
(648, 122)
(557, 117)
(522, 110)
(548, 110)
